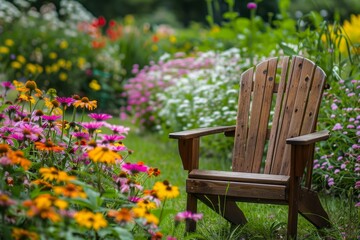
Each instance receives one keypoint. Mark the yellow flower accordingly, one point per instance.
(81, 62)
(154, 48)
(94, 85)
(55, 67)
(165, 190)
(17, 157)
(52, 55)
(31, 68)
(21, 59)
(63, 44)
(63, 76)
(4, 50)
(15, 65)
(55, 174)
(68, 65)
(39, 68)
(9, 42)
(48, 69)
(144, 203)
(61, 63)
(172, 39)
(352, 30)
(104, 155)
(90, 220)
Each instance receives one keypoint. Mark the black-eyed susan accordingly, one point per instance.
(48, 146)
(85, 103)
(153, 172)
(104, 155)
(70, 190)
(90, 220)
(145, 203)
(53, 173)
(19, 234)
(17, 157)
(43, 206)
(123, 215)
(165, 190)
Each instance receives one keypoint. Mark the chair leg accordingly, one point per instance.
(311, 208)
(225, 207)
(191, 206)
(293, 209)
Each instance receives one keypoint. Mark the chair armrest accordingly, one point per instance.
(189, 143)
(199, 132)
(309, 138)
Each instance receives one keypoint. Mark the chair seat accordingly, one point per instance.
(240, 177)
(247, 186)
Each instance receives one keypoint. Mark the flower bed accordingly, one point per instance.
(63, 177)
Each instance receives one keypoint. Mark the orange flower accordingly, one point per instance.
(17, 157)
(124, 215)
(70, 190)
(44, 207)
(153, 172)
(85, 103)
(48, 146)
(18, 233)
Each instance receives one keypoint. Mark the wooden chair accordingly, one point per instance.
(292, 88)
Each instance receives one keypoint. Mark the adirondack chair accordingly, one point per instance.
(292, 88)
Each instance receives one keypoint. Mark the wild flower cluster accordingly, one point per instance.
(66, 178)
(338, 165)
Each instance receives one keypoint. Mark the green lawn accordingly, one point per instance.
(264, 221)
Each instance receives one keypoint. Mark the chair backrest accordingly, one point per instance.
(279, 99)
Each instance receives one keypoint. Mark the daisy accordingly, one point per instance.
(104, 155)
(90, 220)
(117, 129)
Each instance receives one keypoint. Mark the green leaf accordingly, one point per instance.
(287, 50)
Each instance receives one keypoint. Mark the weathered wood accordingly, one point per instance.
(239, 177)
(310, 207)
(189, 152)
(236, 189)
(191, 206)
(239, 161)
(200, 132)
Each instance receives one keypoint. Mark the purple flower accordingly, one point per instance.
(51, 118)
(251, 5)
(111, 138)
(65, 101)
(188, 215)
(100, 116)
(7, 85)
(134, 167)
(81, 135)
(337, 127)
(117, 129)
(92, 125)
(334, 106)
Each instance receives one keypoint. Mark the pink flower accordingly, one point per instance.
(251, 5)
(337, 127)
(65, 101)
(100, 116)
(334, 106)
(134, 167)
(188, 215)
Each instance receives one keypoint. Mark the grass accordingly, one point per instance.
(264, 221)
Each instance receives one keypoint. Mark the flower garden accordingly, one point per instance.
(74, 86)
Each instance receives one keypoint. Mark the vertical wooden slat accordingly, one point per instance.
(264, 114)
(299, 107)
(238, 162)
(256, 109)
(275, 122)
(287, 110)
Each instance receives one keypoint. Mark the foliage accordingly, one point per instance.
(68, 178)
(50, 49)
